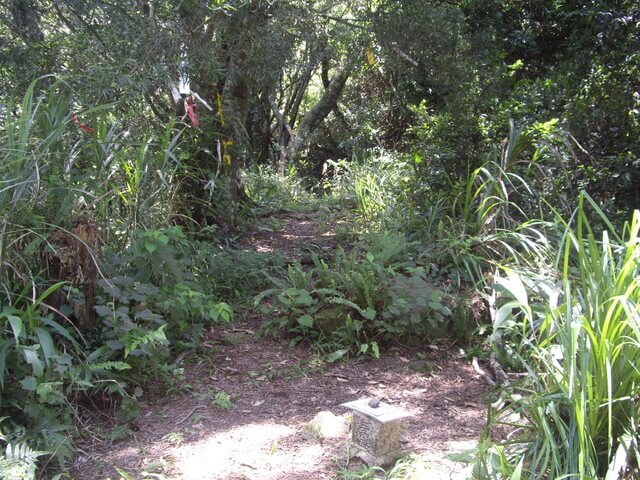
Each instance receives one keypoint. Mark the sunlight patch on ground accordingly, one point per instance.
(250, 450)
(447, 468)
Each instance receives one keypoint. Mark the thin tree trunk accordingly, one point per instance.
(319, 112)
(285, 133)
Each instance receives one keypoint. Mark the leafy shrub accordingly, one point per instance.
(356, 301)
(43, 363)
(414, 305)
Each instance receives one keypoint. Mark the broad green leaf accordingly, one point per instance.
(368, 313)
(103, 311)
(150, 246)
(31, 357)
(46, 343)
(29, 384)
(337, 355)
(306, 321)
(60, 330)
(505, 313)
(514, 286)
(375, 350)
(16, 325)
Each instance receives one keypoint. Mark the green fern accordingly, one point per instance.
(19, 461)
(96, 367)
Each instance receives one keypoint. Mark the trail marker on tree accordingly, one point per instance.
(375, 430)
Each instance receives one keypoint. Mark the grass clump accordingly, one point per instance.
(578, 410)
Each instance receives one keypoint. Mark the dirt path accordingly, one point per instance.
(298, 234)
(244, 408)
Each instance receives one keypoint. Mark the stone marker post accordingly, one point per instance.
(375, 430)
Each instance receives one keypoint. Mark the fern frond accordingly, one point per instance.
(109, 366)
(19, 461)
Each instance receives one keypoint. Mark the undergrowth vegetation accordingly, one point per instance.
(559, 298)
(577, 334)
(479, 160)
(86, 322)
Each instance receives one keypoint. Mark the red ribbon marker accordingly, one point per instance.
(82, 126)
(191, 111)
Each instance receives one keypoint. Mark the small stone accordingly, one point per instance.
(421, 366)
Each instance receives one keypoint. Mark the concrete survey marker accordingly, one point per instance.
(375, 430)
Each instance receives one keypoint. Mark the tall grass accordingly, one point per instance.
(579, 407)
(487, 217)
(380, 183)
(29, 157)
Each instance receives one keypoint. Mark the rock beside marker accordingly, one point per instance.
(327, 425)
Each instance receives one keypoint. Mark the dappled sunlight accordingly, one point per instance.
(252, 450)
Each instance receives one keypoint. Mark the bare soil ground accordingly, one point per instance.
(275, 390)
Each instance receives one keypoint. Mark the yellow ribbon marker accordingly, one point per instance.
(220, 112)
(371, 57)
(226, 156)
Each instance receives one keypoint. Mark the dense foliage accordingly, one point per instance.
(486, 154)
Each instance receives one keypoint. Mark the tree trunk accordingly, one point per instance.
(25, 21)
(319, 112)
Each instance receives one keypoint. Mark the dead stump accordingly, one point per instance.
(73, 259)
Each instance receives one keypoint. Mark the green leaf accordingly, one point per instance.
(163, 238)
(46, 343)
(513, 284)
(306, 321)
(337, 355)
(375, 350)
(60, 330)
(110, 366)
(123, 474)
(31, 357)
(150, 246)
(3, 359)
(16, 325)
(222, 311)
(300, 297)
(103, 311)
(29, 384)
(50, 392)
(368, 313)
(517, 473)
(505, 313)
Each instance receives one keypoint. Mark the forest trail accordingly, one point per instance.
(242, 410)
